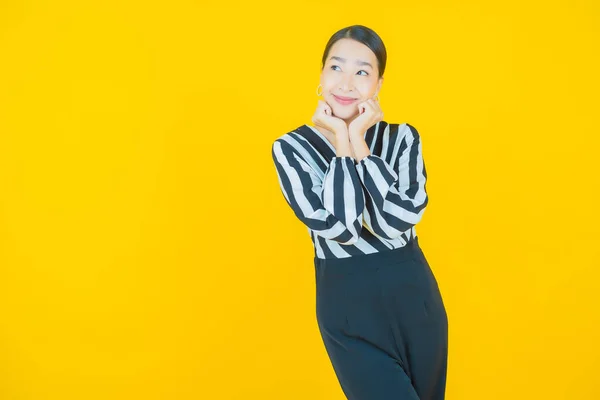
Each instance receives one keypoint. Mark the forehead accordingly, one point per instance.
(352, 50)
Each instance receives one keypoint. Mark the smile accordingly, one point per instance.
(342, 101)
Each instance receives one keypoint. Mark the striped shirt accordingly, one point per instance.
(354, 207)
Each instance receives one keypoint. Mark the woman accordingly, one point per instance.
(358, 184)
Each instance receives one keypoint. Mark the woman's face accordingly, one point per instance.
(350, 72)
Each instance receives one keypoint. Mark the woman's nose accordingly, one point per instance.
(346, 83)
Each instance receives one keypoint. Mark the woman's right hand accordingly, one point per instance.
(323, 117)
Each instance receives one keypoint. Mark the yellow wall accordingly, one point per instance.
(146, 251)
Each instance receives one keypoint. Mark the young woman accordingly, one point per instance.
(358, 184)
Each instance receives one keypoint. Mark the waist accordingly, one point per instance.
(407, 252)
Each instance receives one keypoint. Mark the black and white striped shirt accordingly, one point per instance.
(351, 207)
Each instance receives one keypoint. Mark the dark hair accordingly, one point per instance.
(364, 35)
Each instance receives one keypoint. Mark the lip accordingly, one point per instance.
(344, 100)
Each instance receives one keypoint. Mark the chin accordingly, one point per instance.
(344, 114)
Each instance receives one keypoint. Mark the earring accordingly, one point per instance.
(318, 94)
(377, 99)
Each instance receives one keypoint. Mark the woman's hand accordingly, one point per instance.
(323, 117)
(370, 114)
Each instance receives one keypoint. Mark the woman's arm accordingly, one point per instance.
(331, 206)
(395, 202)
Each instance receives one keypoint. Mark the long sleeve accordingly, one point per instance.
(332, 205)
(395, 202)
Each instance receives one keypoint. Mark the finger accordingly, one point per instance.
(361, 107)
(376, 104)
(366, 104)
(320, 105)
(324, 108)
(321, 109)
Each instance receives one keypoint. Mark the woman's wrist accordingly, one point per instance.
(342, 132)
(359, 147)
(342, 145)
(343, 150)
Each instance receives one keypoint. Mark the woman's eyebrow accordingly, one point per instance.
(358, 62)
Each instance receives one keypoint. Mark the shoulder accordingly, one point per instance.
(288, 142)
(291, 134)
(402, 129)
(398, 125)
(395, 128)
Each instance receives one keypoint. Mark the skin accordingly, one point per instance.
(345, 74)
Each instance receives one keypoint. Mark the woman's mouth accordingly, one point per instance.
(344, 100)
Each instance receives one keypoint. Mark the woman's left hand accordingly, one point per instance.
(370, 114)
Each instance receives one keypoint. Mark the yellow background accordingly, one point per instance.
(146, 251)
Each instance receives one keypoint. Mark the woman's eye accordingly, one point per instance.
(362, 70)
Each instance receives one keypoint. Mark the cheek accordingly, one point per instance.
(327, 80)
(328, 85)
(366, 89)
